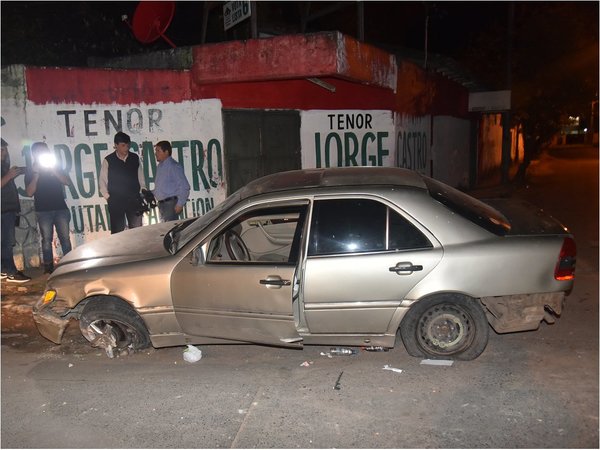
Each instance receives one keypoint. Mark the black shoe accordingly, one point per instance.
(48, 268)
(18, 277)
(3, 275)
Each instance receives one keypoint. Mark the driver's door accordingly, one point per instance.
(243, 288)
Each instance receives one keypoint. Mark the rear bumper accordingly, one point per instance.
(49, 324)
(511, 313)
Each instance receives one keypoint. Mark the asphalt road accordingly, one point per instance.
(528, 390)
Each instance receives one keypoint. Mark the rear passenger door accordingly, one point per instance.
(363, 257)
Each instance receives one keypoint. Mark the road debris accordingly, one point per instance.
(376, 348)
(437, 362)
(306, 363)
(340, 351)
(337, 385)
(393, 369)
(192, 354)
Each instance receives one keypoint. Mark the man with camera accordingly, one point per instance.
(121, 179)
(45, 182)
(11, 207)
(171, 186)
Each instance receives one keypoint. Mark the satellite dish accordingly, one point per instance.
(151, 20)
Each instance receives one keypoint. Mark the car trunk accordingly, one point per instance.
(527, 219)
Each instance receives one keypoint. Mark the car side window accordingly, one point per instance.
(404, 235)
(266, 235)
(347, 226)
(360, 225)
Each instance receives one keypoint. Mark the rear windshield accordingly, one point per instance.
(468, 207)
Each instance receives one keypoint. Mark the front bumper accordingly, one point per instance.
(49, 324)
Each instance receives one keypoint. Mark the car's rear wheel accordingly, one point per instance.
(114, 326)
(445, 327)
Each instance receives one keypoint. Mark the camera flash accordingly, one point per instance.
(47, 160)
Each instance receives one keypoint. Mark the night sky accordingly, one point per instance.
(66, 33)
(474, 34)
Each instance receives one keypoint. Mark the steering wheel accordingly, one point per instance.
(235, 246)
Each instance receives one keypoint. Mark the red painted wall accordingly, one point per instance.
(421, 93)
(296, 94)
(330, 54)
(49, 85)
(215, 73)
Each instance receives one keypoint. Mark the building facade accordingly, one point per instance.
(238, 110)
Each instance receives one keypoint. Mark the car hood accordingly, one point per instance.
(525, 218)
(137, 244)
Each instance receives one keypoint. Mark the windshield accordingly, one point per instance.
(182, 233)
(468, 207)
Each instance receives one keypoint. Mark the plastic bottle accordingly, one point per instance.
(342, 351)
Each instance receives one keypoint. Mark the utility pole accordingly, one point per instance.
(506, 115)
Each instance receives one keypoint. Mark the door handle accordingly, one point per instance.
(275, 282)
(405, 268)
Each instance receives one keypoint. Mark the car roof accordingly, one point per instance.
(333, 177)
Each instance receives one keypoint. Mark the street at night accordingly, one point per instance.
(283, 184)
(535, 389)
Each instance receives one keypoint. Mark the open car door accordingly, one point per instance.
(243, 289)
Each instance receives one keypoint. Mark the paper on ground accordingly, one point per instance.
(437, 362)
(393, 369)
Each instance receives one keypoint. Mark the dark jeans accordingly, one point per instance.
(120, 210)
(166, 210)
(8, 242)
(48, 221)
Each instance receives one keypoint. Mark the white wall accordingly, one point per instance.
(82, 135)
(346, 138)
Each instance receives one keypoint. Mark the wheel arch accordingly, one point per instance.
(403, 310)
(104, 298)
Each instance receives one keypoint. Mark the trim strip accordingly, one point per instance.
(352, 305)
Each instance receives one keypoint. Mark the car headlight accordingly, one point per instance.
(49, 296)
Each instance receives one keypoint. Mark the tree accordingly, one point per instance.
(554, 66)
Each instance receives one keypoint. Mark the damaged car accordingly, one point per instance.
(361, 256)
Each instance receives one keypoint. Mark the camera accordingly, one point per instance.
(147, 201)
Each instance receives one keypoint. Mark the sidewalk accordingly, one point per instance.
(35, 286)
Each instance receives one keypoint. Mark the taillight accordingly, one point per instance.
(565, 267)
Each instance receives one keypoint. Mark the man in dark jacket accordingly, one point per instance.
(11, 208)
(121, 179)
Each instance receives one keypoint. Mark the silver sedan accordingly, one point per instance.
(344, 256)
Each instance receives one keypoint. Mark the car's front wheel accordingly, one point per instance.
(114, 326)
(445, 327)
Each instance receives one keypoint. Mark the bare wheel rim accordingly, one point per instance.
(445, 329)
(112, 332)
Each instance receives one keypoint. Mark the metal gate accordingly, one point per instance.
(259, 143)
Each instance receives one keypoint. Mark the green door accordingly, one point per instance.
(258, 143)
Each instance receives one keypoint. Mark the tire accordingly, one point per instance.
(445, 327)
(114, 326)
